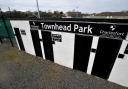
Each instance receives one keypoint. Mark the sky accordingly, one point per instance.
(85, 6)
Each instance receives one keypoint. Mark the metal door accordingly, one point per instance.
(106, 54)
(18, 36)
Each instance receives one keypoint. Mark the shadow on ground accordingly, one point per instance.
(19, 70)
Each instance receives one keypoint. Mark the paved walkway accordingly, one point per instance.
(19, 70)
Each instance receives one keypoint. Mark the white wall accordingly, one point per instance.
(119, 72)
(92, 54)
(15, 33)
(64, 51)
(41, 43)
(27, 39)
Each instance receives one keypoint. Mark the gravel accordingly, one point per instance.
(19, 70)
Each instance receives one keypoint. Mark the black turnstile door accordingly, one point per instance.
(82, 52)
(106, 54)
(36, 42)
(47, 42)
(18, 36)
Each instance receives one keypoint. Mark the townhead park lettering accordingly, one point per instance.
(68, 28)
(103, 30)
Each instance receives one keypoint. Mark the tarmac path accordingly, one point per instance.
(19, 70)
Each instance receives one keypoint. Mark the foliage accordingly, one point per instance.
(29, 14)
(57, 14)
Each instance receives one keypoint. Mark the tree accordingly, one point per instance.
(74, 14)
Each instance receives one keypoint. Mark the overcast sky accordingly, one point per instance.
(89, 6)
